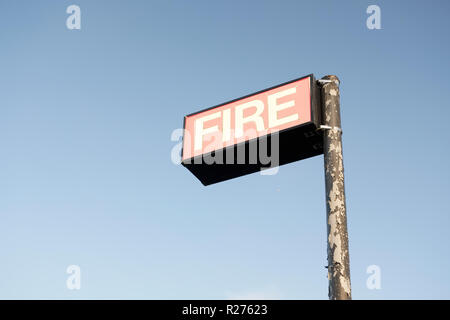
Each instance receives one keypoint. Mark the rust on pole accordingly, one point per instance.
(339, 287)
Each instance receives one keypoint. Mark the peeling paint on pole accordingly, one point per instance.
(339, 287)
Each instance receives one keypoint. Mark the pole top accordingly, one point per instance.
(330, 78)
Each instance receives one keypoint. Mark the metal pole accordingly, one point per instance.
(339, 287)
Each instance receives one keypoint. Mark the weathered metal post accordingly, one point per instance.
(339, 287)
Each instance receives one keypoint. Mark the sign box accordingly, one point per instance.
(265, 129)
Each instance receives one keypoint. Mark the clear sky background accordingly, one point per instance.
(86, 176)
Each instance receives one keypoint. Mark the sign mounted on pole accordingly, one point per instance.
(262, 130)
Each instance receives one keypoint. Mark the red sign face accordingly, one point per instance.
(253, 116)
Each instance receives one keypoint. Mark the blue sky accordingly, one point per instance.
(86, 176)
